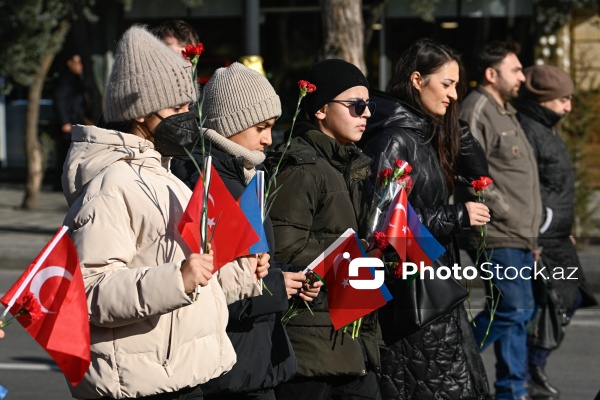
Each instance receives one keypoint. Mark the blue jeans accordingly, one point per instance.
(511, 269)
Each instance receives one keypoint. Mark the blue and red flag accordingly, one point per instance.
(250, 204)
(228, 230)
(420, 244)
(407, 234)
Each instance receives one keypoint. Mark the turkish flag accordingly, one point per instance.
(346, 303)
(54, 278)
(396, 223)
(229, 231)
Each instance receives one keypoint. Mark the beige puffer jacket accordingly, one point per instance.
(147, 335)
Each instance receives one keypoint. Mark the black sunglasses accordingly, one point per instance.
(359, 105)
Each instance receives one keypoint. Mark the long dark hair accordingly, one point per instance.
(427, 57)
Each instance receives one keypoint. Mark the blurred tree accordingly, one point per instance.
(32, 32)
(343, 28)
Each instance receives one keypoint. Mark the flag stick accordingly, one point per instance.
(203, 219)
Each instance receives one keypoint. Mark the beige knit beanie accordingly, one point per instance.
(146, 77)
(237, 98)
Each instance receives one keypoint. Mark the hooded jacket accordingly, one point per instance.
(147, 335)
(264, 354)
(439, 360)
(319, 195)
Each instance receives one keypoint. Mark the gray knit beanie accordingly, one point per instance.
(237, 98)
(146, 77)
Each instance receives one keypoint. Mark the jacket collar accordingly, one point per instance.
(393, 112)
(227, 165)
(506, 109)
(327, 147)
(537, 112)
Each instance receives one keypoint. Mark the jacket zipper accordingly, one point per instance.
(168, 346)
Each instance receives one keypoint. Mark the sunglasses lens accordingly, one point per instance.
(359, 107)
(372, 107)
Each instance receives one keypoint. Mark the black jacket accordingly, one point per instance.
(264, 354)
(557, 186)
(555, 169)
(319, 196)
(398, 131)
(440, 360)
(69, 100)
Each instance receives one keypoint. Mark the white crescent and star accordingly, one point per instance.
(337, 260)
(42, 276)
(211, 221)
(398, 207)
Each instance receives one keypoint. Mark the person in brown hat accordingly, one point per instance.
(545, 98)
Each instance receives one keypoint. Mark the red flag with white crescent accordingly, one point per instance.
(347, 303)
(229, 231)
(54, 279)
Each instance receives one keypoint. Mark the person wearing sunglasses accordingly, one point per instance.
(319, 196)
(418, 122)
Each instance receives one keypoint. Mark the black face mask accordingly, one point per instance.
(175, 133)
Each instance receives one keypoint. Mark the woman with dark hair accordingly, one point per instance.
(417, 121)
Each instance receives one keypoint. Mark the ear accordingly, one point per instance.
(144, 118)
(416, 79)
(321, 114)
(490, 75)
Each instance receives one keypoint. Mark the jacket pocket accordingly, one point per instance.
(511, 147)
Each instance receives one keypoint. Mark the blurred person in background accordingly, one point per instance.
(544, 99)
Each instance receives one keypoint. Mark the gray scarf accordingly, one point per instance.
(251, 158)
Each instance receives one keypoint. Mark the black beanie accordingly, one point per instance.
(331, 77)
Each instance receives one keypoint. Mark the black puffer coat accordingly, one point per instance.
(264, 354)
(557, 186)
(441, 360)
(320, 191)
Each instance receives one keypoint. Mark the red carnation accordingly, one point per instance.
(381, 240)
(482, 183)
(306, 87)
(398, 271)
(192, 51)
(386, 173)
(32, 307)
